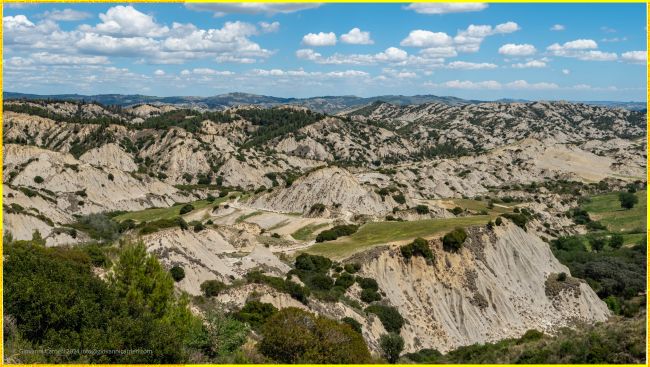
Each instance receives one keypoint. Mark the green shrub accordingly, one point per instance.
(399, 198)
(336, 232)
(211, 288)
(367, 283)
(177, 272)
(627, 199)
(517, 218)
(352, 268)
(389, 317)
(391, 345)
(255, 313)
(296, 336)
(616, 241)
(454, 240)
(419, 247)
(354, 324)
(370, 295)
(38, 179)
(457, 210)
(498, 221)
(186, 209)
(422, 209)
(345, 280)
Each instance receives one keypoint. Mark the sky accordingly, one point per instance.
(469, 50)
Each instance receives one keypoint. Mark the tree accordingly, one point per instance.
(389, 317)
(391, 345)
(628, 200)
(296, 336)
(616, 241)
(177, 272)
(186, 209)
(597, 243)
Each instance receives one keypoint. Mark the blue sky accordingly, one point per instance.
(471, 50)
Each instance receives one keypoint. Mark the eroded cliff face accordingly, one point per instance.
(500, 284)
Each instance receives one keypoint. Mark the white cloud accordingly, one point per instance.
(495, 85)
(208, 71)
(566, 71)
(126, 21)
(582, 49)
(530, 64)
(68, 15)
(357, 37)
(507, 27)
(159, 72)
(445, 8)
(558, 27)
(319, 39)
(470, 39)
(313, 74)
(269, 27)
(186, 72)
(512, 49)
(436, 52)
(390, 55)
(607, 29)
(614, 39)
(422, 38)
(221, 9)
(463, 65)
(635, 56)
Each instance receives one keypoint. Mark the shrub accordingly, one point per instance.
(389, 317)
(517, 218)
(498, 221)
(597, 243)
(616, 241)
(177, 272)
(186, 209)
(111, 177)
(367, 283)
(312, 263)
(399, 198)
(561, 277)
(336, 232)
(38, 179)
(628, 200)
(345, 280)
(419, 247)
(211, 288)
(255, 313)
(319, 281)
(422, 209)
(352, 268)
(317, 208)
(391, 345)
(354, 324)
(457, 210)
(296, 336)
(370, 295)
(454, 240)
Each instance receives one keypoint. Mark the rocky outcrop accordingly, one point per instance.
(332, 186)
(494, 288)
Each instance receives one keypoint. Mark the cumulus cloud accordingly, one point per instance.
(159, 72)
(303, 73)
(269, 27)
(511, 49)
(557, 27)
(357, 37)
(530, 64)
(66, 15)
(319, 39)
(126, 21)
(582, 49)
(390, 55)
(470, 65)
(635, 56)
(566, 71)
(422, 38)
(221, 9)
(445, 8)
(470, 39)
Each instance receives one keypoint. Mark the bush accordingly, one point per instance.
(111, 177)
(186, 209)
(336, 232)
(399, 198)
(198, 227)
(561, 277)
(389, 317)
(313, 263)
(352, 268)
(454, 240)
(498, 221)
(296, 336)
(177, 272)
(616, 241)
(211, 288)
(317, 208)
(627, 199)
(422, 209)
(255, 313)
(367, 283)
(517, 218)
(419, 247)
(457, 210)
(38, 179)
(391, 346)
(354, 324)
(370, 295)
(345, 280)
(597, 243)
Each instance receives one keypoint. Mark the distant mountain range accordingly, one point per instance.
(327, 104)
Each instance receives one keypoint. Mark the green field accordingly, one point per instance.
(607, 209)
(148, 215)
(376, 233)
(306, 233)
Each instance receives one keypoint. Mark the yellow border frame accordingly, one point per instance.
(308, 1)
